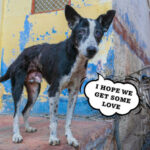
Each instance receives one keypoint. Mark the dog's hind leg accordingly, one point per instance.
(53, 101)
(33, 90)
(70, 109)
(17, 87)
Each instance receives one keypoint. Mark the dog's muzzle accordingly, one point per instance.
(91, 51)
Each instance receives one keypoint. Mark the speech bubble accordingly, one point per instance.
(111, 98)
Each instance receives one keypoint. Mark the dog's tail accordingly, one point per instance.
(5, 77)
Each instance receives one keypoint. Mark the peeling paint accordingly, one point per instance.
(91, 70)
(67, 33)
(42, 106)
(24, 35)
(109, 32)
(41, 37)
(53, 30)
(3, 71)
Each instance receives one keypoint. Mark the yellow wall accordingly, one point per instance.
(17, 21)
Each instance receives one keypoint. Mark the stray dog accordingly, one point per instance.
(62, 65)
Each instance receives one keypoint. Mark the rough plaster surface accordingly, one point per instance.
(125, 61)
(134, 16)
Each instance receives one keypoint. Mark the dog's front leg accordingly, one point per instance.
(73, 94)
(53, 101)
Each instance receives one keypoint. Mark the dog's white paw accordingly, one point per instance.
(17, 138)
(54, 141)
(73, 142)
(30, 129)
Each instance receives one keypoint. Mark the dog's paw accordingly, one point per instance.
(54, 141)
(17, 138)
(73, 142)
(30, 129)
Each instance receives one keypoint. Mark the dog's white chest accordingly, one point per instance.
(76, 74)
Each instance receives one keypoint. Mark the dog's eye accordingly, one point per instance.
(81, 31)
(98, 34)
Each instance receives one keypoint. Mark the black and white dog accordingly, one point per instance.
(62, 65)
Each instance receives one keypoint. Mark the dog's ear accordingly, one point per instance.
(106, 19)
(71, 16)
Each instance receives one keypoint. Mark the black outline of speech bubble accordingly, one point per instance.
(114, 83)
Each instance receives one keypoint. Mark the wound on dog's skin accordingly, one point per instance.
(34, 75)
(62, 65)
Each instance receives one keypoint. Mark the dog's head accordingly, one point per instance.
(87, 33)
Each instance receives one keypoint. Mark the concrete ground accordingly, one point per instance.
(89, 134)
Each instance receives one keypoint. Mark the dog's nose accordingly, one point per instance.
(91, 51)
